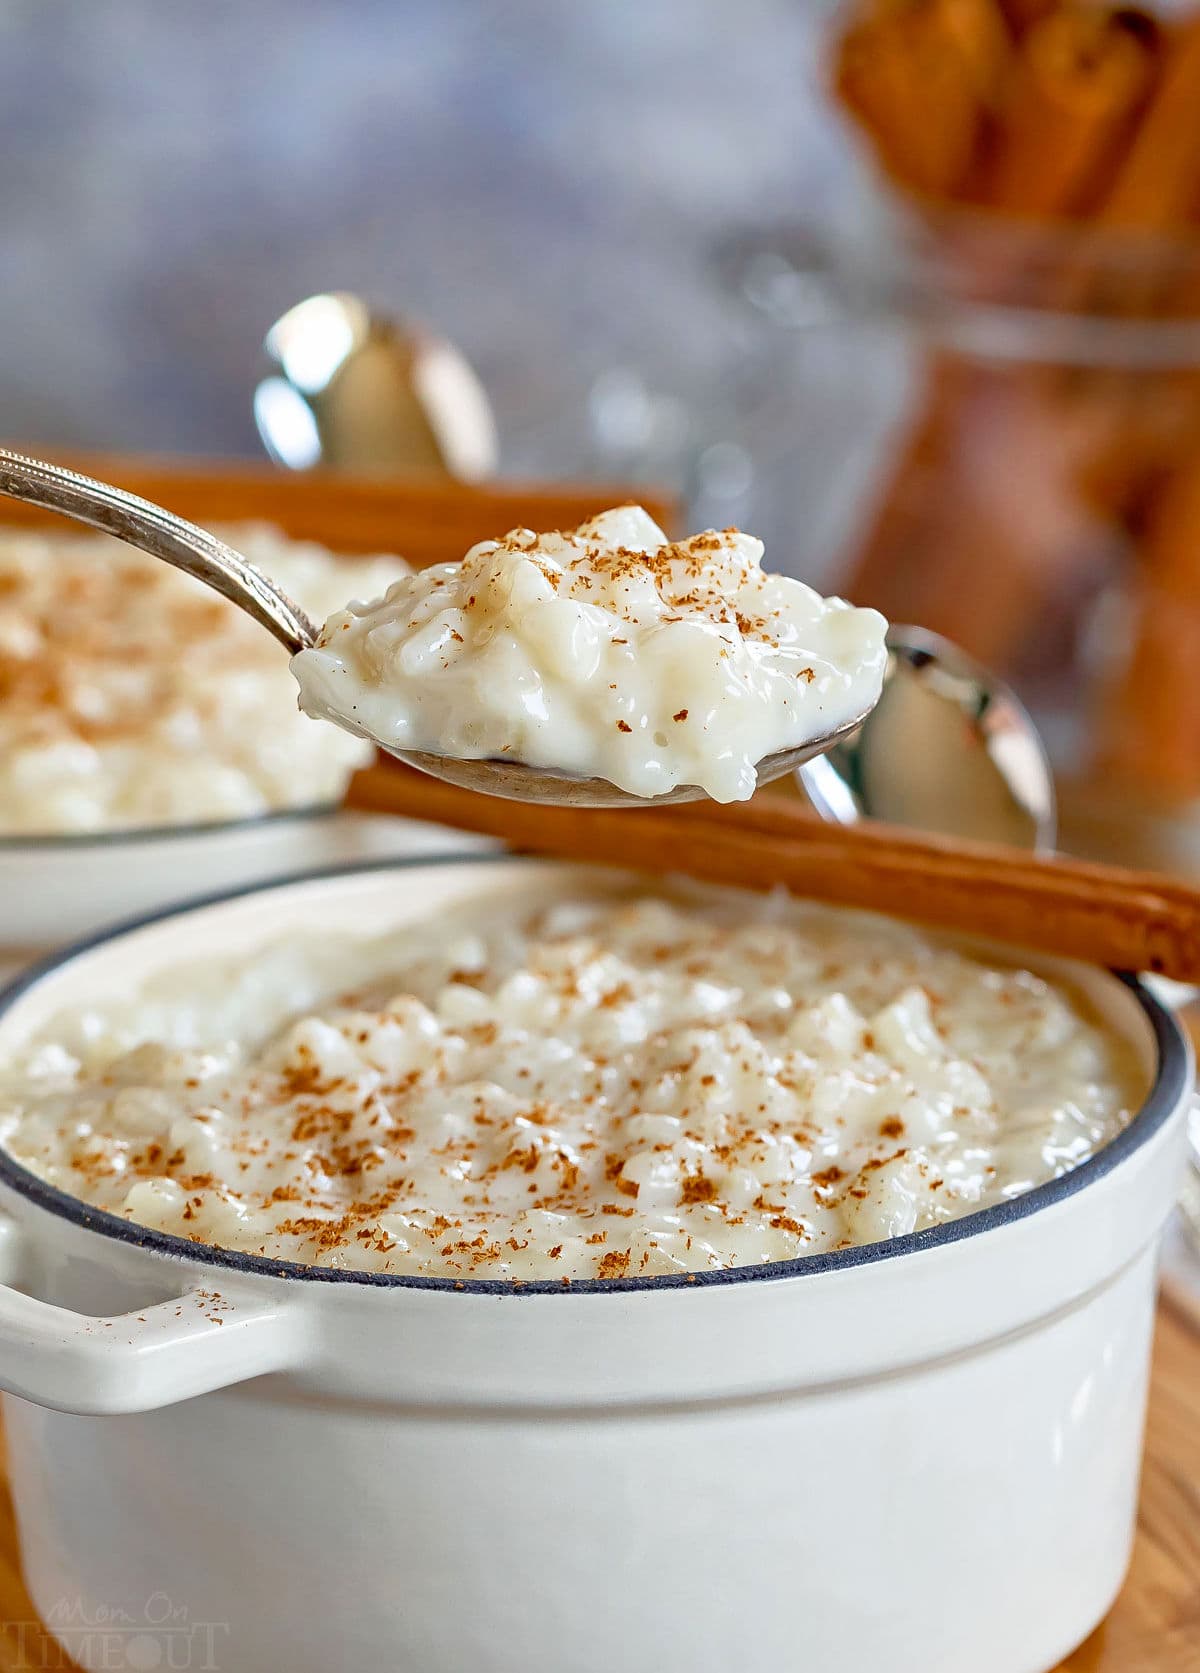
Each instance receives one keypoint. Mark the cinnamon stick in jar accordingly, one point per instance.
(1078, 81)
(1149, 722)
(1021, 15)
(1155, 190)
(974, 32)
(1157, 187)
(917, 78)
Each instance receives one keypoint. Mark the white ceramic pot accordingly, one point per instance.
(921, 1455)
(57, 888)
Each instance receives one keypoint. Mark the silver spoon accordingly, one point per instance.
(351, 389)
(948, 748)
(147, 526)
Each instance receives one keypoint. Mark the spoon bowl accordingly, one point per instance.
(514, 781)
(949, 748)
(351, 389)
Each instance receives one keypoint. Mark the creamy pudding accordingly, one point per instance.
(607, 651)
(132, 696)
(611, 1083)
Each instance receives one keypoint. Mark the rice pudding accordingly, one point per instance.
(132, 696)
(608, 1082)
(607, 651)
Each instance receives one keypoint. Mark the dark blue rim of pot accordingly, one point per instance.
(1172, 1081)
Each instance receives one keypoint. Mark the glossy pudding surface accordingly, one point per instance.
(603, 1083)
(605, 651)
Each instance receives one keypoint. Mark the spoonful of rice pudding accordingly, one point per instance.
(597, 667)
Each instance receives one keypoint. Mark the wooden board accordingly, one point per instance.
(1154, 1628)
(426, 522)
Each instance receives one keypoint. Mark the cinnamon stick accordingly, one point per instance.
(1023, 14)
(1157, 186)
(1100, 914)
(914, 77)
(982, 531)
(1150, 720)
(974, 32)
(1077, 83)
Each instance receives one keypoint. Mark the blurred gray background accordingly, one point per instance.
(545, 180)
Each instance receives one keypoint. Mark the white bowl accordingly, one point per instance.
(59, 888)
(918, 1455)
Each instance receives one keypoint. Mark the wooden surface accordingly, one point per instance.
(1154, 1628)
(425, 522)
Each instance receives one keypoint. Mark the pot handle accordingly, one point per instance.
(191, 1344)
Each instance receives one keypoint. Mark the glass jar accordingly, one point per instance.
(1024, 476)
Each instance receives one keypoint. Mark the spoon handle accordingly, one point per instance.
(147, 526)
